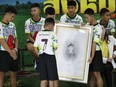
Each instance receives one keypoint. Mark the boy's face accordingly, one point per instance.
(106, 16)
(10, 16)
(71, 9)
(49, 27)
(35, 11)
(88, 18)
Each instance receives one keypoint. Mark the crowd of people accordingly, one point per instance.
(42, 43)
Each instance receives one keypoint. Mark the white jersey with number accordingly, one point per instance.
(110, 25)
(33, 27)
(8, 33)
(75, 20)
(46, 42)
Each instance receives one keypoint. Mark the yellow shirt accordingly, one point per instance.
(105, 51)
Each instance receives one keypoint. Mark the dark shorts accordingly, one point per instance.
(7, 63)
(97, 63)
(48, 67)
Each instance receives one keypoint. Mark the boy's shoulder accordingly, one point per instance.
(0, 23)
(0, 27)
(12, 24)
(97, 26)
(78, 16)
(42, 18)
(46, 32)
(28, 20)
(98, 21)
(64, 16)
(111, 22)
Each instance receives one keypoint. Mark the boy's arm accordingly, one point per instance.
(36, 52)
(30, 37)
(55, 42)
(96, 40)
(2, 41)
(5, 46)
(35, 46)
(16, 43)
(14, 51)
(92, 52)
(27, 31)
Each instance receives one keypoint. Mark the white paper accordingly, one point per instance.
(74, 47)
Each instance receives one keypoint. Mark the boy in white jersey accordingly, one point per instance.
(109, 28)
(8, 47)
(105, 21)
(33, 25)
(95, 60)
(71, 16)
(50, 13)
(45, 46)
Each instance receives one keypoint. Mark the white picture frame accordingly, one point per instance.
(74, 47)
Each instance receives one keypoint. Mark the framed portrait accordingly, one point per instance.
(74, 47)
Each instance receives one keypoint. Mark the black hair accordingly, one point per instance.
(11, 9)
(35, 5)
(50, 11)
(89, 11)
(103, 11)
(71, 3)
(49, 21)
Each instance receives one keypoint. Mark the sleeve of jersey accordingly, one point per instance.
(113, 40)
(62, 19)
(55, 41)
(81, 20)
(36, 43)
(1, 32)
(27, 30)
(15, 31)
(113, 27)
(97, 36)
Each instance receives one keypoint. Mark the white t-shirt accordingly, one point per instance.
(33, 27)
(8, 33)
(75, 20)
(46, 42)
(110, 25)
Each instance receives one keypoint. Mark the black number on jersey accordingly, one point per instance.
(45, 43)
